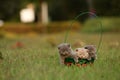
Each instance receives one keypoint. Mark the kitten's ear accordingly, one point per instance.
(76, 50)
(58, 47)
(86, 47)
(68, 45)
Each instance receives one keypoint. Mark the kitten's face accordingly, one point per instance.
(82, 53)
(64, 49)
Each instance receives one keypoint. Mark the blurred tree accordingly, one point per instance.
(107, 7)
(59, 9)
(9, 9)
(66, 9)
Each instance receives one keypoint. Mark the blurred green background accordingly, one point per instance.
(60, 9)
(60, 14)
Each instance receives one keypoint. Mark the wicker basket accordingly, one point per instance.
(81, 62)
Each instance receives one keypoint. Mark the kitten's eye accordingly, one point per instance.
(86, 47)
(76, 50)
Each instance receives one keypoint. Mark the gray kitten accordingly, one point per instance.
(91, 51)
(66, 51)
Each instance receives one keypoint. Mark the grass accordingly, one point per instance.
(108, 25)
(38, 60)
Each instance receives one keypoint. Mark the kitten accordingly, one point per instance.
(82, 53)
(92, 51)
(66, 51)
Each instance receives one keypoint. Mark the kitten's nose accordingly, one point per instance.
(65, 52)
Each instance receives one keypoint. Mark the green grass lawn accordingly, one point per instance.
(38, 59)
